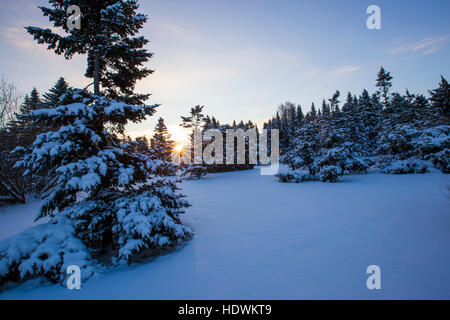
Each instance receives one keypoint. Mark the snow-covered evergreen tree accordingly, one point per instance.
(162, 148)
(107, 200)
(305, 149)
(124, 207)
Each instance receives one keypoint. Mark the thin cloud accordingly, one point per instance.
(344, 70)
(425, 46)
(171, 28)
(338, 72)
(313, 73)
(286, 56)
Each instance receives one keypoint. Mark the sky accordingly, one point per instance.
(242, 58)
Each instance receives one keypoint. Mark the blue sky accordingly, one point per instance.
(241, 59)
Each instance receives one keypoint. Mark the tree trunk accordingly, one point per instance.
(96, 75)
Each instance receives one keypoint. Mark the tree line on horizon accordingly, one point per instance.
(399, 133)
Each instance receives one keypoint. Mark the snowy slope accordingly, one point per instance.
(256, 238)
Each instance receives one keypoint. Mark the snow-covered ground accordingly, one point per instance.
(256, 238)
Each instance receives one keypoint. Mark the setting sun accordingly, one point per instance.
(179, 148)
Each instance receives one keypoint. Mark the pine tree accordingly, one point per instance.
(115, 55)
(51, 98)
(384, 83)
(334, 101)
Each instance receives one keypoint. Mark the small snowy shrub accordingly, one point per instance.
(296, 176)
(434, 140)
(416, 151)
(441, 160)
(434, 145)
(399, 141)
(194, 171)
(355, 165)
(330, 173)
(45, 250)
(407, 166)
(344, 159)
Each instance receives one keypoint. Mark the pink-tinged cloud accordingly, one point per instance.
(426, 46)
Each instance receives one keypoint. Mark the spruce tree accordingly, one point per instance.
(108, 35)
(51, 98)
(126, 209)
